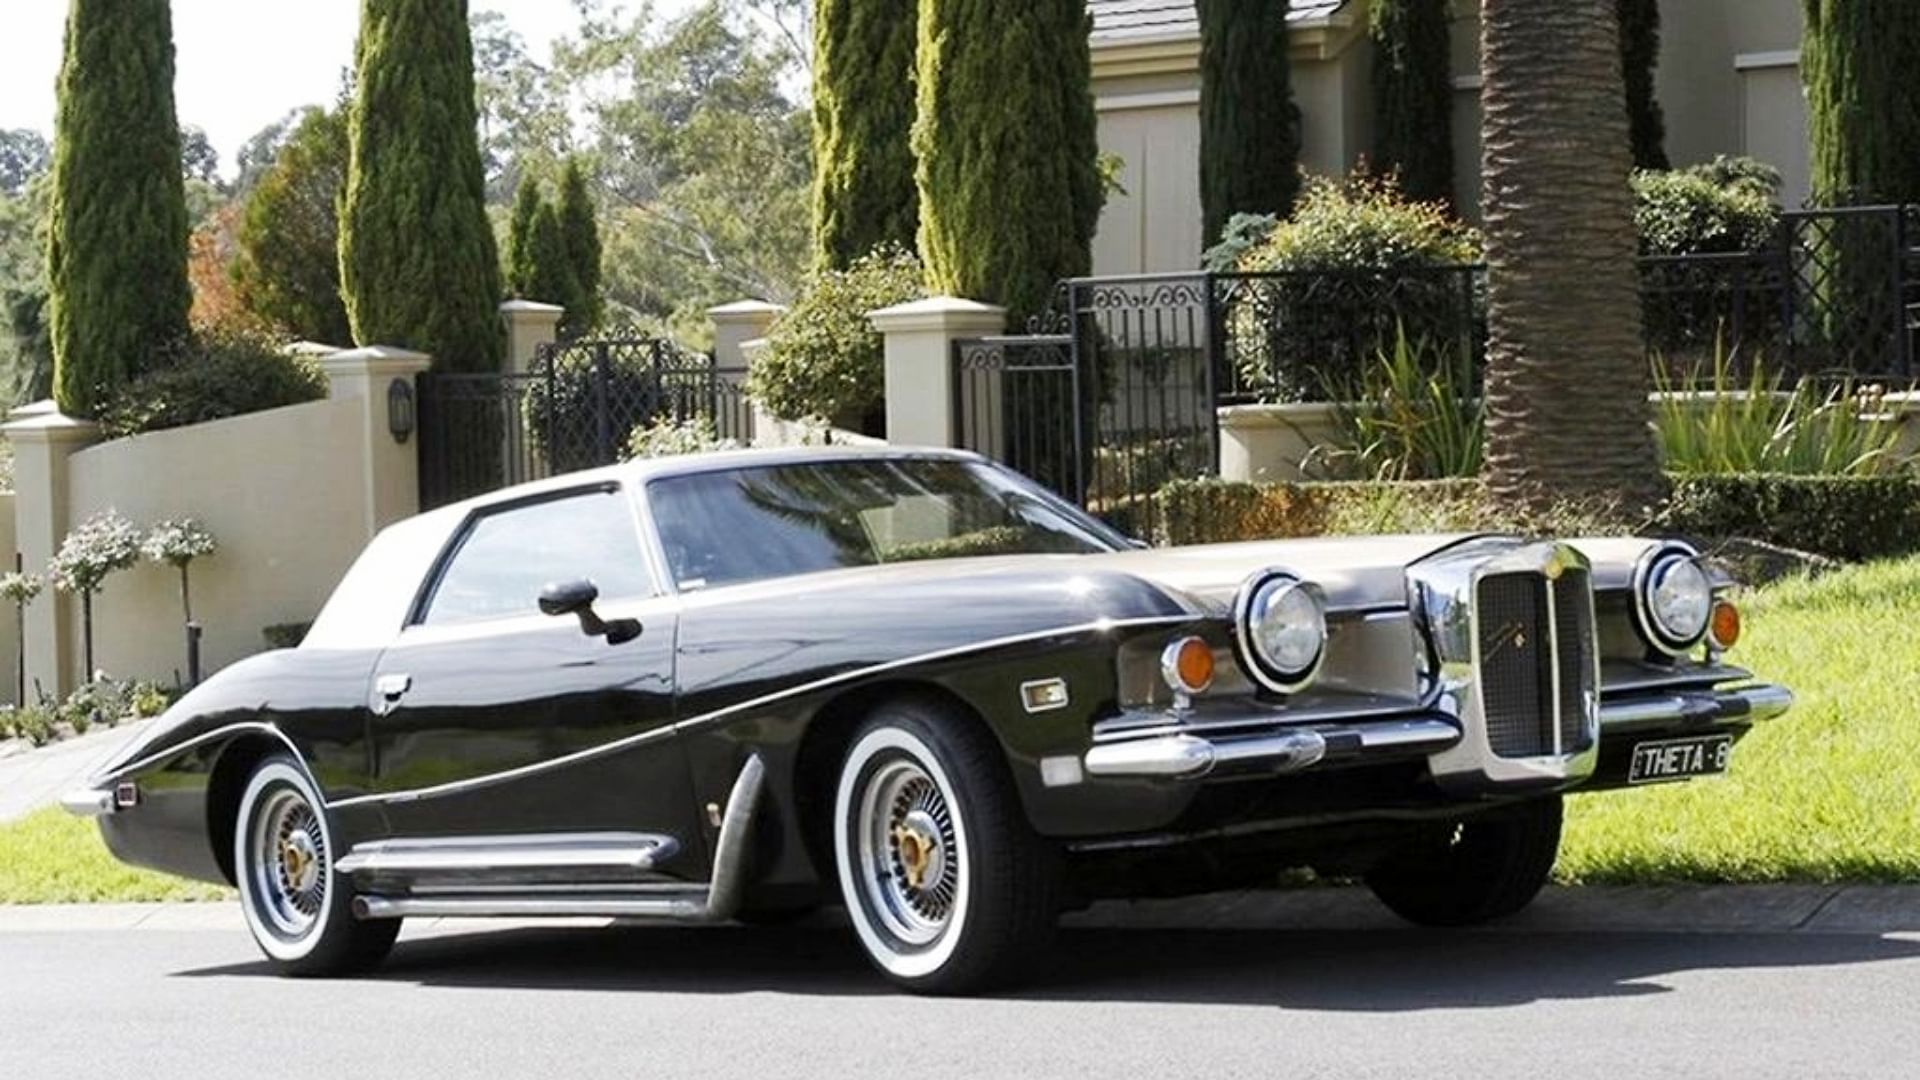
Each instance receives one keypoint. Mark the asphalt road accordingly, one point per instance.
(670, 1002)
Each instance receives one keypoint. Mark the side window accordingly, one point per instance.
(506, 558)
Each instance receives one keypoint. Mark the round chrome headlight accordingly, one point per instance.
(1675, 598)
(1281, 627)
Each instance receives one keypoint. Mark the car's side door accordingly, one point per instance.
(491, 718)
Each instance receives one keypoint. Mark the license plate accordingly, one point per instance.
(1680, 759)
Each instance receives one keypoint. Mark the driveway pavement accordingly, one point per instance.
(1579, 989)
(32, 779)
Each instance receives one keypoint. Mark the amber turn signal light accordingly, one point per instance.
(1187, 665)
(1725, 627)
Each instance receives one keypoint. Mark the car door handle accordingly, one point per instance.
(394, 687)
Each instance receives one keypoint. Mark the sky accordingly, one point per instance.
(241, 64)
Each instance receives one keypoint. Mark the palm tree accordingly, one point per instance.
(1567, 380)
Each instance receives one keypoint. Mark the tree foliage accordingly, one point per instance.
(1249, 124)
(863, 106)
(1863, 100)
(287, 270)
(580, 232)
(1413, 96)
(701, 158)
(1008, 160)
(1640, 56)
(117, 255)
(418, 262)
(553, 249)
(24, 157)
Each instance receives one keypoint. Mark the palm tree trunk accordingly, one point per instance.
(1567, 381)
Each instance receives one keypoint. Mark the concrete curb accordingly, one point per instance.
(1677, 909)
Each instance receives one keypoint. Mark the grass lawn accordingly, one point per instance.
(1829, 792)
(52, 857)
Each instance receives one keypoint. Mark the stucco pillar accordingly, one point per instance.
(920, 337)
(43, 441)
(734, 327)
(391, 467)
(529, 325)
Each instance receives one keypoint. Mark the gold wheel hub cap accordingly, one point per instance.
(917, 842)
(300, 860)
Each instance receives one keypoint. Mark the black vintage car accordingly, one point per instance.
(737, 686)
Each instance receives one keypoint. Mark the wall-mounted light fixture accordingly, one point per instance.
(400, 411)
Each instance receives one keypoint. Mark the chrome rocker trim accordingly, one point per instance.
(717, 901)
(88, 802)
(633, 852)
(1647, 712)
(1278, 753)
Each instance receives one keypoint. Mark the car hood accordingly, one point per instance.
(1356, 572)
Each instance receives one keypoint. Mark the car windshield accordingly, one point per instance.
(740, 525)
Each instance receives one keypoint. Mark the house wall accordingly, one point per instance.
(1728, 82)
(284, 492)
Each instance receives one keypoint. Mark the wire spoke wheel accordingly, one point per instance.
(911, 865)
(289, 863)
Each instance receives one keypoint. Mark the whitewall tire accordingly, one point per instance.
(947, 887)
(297, 908)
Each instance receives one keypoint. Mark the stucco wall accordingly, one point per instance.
(1728, 83)
(283, 491)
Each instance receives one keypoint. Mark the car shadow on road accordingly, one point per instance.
(1353, 971)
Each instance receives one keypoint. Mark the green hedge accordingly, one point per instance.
(1841, 517)
(1849, 518)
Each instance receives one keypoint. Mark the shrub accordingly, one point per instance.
(34, 723)
(1357, 264)
(668, 437)
(214, 378)
(824, 359)
(1839, 517)
(1764, 427)
(1216, 511)
(1413, 416)
(1855, 518)
(1364, 223)
(285, 635)
(1730, 205)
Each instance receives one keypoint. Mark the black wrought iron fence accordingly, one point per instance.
(578, 408)
(1017, 400)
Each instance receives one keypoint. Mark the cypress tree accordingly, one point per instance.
(288, 268)
(520, 267)
(863, 108)
(580, 229)
(551, 279)
(1413, 96)
(1008, 160)
(117, 247)
(1863, 100)
(1249, 124)
(418, 264)
(1639, 56)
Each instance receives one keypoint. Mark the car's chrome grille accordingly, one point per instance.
(1516, 664)
(1573, 645)
(1532, 630)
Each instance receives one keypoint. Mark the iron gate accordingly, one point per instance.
(578, 408)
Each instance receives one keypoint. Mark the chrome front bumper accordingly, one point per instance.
(1170, 754)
